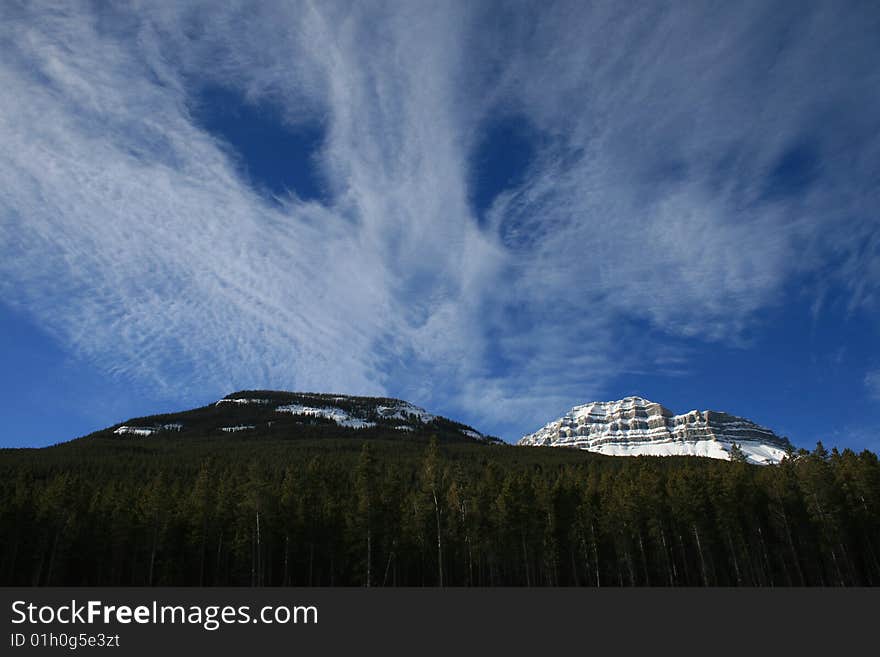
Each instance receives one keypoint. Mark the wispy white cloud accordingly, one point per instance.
(872, 384)
(126, 230)
(128, 233)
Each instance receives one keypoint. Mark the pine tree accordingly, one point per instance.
(737, 455)
(432, 483)
(365, 479)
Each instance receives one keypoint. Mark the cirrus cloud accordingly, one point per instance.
(688, 165)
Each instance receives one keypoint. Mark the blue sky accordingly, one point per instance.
(493, 210)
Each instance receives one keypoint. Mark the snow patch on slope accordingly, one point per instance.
(242, 401)
(760, 454)
(137, 431)
(338, 415)
(147, 431)
(405, 411)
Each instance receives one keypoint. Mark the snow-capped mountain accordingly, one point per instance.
(634, 426)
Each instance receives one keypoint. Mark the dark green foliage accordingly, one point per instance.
(318, 505)
(737, 454)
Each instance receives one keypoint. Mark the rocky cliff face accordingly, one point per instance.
(634, 426)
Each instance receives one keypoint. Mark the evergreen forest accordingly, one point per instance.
(321, 505)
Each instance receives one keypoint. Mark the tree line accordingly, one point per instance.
(415, 512)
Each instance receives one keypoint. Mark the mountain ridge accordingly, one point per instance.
(630, 426)
(275, 411)
(635, 426)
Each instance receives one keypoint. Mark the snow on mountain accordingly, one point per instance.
(137, 431)
(404, 411)
(147, 431)
(339, 416)
(274, 411)
(635, 426)
(399, 410)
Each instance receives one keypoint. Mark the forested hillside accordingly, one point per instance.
(327, 506)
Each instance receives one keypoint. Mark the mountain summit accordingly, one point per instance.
(633, 426)
(271, 412)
